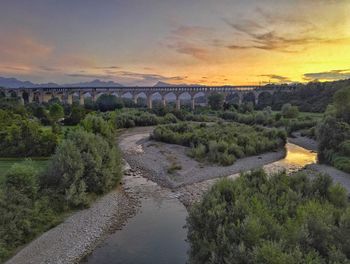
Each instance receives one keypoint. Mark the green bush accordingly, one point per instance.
(84, 163)
(271, 219)
(289, 111)
(25, 211)
(22, 137)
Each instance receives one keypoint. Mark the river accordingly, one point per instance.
(156, 234)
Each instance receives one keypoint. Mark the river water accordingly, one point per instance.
(156, 234)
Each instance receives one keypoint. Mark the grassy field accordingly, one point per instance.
(6, 163)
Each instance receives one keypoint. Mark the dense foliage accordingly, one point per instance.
(275, 219)
(310, 97)
(25, 211)
(266, 117)
(108, 102)
(216, 101)
(86, 163)
(23, 137)
(334, 133)
(221, 143)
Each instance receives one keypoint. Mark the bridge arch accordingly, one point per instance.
(140, 98)
(234, 98)
(265, 98)
(250, 97)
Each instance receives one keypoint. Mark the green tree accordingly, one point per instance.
(24, 211)
(341, 101)
(97, 125)
(56, 112)
(65, 175)
(216, 101)
(289, 111)
(108, 102)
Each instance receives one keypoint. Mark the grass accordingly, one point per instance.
(174, 167)
(6, 163)
(307, 114)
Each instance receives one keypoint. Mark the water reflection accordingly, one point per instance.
(295, 159)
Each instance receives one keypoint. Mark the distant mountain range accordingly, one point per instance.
(15, 83)
(164, 84)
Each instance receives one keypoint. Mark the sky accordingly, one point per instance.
(209, 42)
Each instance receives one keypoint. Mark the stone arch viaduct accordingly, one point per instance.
(65, 94)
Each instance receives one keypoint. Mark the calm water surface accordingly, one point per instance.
(155, 235)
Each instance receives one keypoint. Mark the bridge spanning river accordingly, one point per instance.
(66, 94)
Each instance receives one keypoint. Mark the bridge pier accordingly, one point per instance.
(256, 98)
(149, 101)
(163, 101)
(193, 103)
(81, 98)
(30, 97)
(178, 102)
(69, 98)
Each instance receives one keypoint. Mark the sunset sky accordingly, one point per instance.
(140, 42)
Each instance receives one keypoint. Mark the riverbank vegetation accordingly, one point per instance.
(221, 143)
(85, 164)
(271, 219)
(333, 134)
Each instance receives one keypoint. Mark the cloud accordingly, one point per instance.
(271, 40)
(279, 32)
(107, 67)
(23, 48)
(190, 40)
(191, 31)
(128, 77)
(328, 75)
(278, 78)
(87, 75)
(191, 49)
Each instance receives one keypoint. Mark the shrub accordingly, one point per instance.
(289, 111)
(25, 212)
(271, 219)
(84, 163)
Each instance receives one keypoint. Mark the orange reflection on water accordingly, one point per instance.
(299, 156)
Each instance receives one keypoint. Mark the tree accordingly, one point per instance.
(76, 114)
(56, 112)
(108, 102)
(22, 137)
(65, 175)
(341, 101)
(289, 111)
(216, 101)
(97, 125)
(83, 163)
(24, 211)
